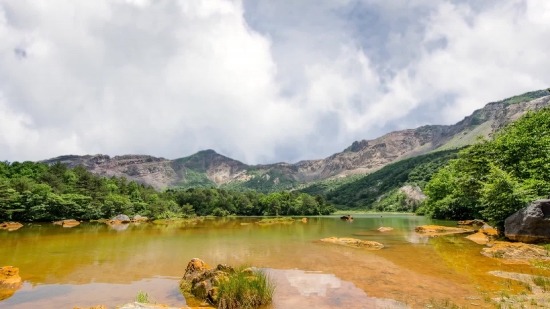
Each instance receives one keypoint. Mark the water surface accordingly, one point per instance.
(94, 264)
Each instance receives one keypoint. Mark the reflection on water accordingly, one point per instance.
(93, 257)
(301, 289)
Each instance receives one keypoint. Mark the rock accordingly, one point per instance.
(474, 222)
(488, 230)
(122, 218)
(479, 238)
(385, 229)
(516, 252)
(304, 220)
(438, 230)
(202, 282)
(530, 224)
(10, 226)
(139, 218)
(67, 223)
(10, 281)
(353, 242)
(347, 218)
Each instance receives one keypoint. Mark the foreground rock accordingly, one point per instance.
(10, 226)
(516, 252)
(530, 224)
(10, 281)
(245, 287)
(438, 230)
(67, 223)
(353, 242)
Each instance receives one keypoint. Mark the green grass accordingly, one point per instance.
(142, 297)
(542, 282)
(245, 288)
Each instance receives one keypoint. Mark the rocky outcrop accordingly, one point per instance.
(67, 223)
(516, 252)
(353, 242)
(10, 281)
(438, 230)
(361, 157)
(10, 226)
(530, 224)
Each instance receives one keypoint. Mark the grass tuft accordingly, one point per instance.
(245, 288)
(542, 282)
(142, 297)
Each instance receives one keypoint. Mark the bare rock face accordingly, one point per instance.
(530, 224)
(361, 157)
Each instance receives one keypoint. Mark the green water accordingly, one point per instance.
(95, 264)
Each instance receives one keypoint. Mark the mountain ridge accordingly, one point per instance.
(209, 168)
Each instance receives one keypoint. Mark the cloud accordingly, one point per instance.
(260, 81)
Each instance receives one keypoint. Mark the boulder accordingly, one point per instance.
(67, 223)
(347, 218)
(139, 218)
(10, 226)
(122, 218)
(353, 242)
(530, 224)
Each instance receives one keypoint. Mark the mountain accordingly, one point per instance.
(208, 168)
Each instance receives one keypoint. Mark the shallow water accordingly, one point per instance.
(94, 264)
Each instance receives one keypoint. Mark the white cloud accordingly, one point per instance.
(260, 81)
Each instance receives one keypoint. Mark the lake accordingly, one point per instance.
(95, 264)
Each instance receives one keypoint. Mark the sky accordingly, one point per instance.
(259, 81)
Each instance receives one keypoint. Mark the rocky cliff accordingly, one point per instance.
(210, 168)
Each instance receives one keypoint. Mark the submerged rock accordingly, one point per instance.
(530, 224)
(10, 226)
(385, 229)
(67, 223)
(353, 242)
(438, 230)
(516, 252)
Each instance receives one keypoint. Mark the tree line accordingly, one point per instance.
(31, 191)
(491, 180)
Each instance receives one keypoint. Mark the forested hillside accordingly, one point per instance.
(369, 192)
(40, 192)
(492, 179)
